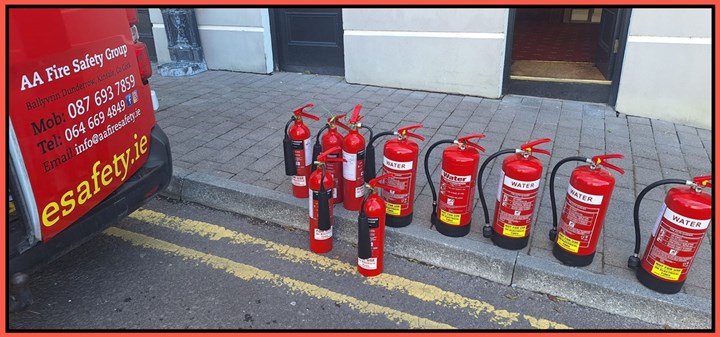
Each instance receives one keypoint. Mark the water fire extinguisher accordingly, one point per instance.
(320, 205)
(587, 199)
(353, 151)
(400, 157)
(453, 213)
(679, 230)
(297, 150)
(331, 139)
(371, 228)
(516, 197)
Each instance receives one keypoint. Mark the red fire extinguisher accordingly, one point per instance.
(320, 206)
(452, 215)
(400, 157)
(517, 194)
(331, 139)
(586, 202)
(353, 151)
(297, 151)
(371, 228)
(679, 230)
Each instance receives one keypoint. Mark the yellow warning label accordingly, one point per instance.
(449, 218)
(392, 209)
(514, 231)
(666, 272)
(568, 243)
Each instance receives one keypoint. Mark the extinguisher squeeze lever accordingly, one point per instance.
(594, 162)
(300, 112)
(525, 149)
(465, 141)
(697, 183)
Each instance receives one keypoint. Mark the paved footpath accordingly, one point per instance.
(226, 131)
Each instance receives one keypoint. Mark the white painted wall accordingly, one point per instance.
(667, 68)
(232, 39)
(446, 50)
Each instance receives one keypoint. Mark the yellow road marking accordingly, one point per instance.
(249, 273)
(422, 291)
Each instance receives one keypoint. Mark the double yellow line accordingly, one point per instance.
(419, 290)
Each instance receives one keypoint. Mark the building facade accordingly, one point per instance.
(646, 62)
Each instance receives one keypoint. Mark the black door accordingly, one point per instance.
(309, 40)
(144, 27)
(609, 41)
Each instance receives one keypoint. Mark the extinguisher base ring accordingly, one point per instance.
(656, 284)
(571, 259)
(509, 243)
(398, 221)
(452, 231)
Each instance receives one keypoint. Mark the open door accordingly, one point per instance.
(609, 42)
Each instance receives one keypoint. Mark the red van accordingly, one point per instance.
(83, 148)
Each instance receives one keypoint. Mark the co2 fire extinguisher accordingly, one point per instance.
(297, 150)
(586, 202)
(371, 228)
(453, 213)
(516, 197)
(331, 139)
(400, 157)
(353, 151)
(320, 206)
(679, 230)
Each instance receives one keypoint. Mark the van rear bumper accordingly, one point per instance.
(153, 177)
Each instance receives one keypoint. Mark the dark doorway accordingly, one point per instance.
(570, 53)
(144, 27)
(309, 40)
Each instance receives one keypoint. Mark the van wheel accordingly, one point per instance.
(20, 296)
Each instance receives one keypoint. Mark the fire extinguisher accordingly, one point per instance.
(516, 197)
(320, 206)
(371, 228)
(353, 151)
(331, 139)
(400, 157)
(679, 230)
(586, 202)
(297, 151)
(453, 213)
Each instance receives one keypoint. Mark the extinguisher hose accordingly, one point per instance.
(288, 155)
(323, 205)
(364, 249)
(553, 231)
(317, 148)
(429, 179)
(480, 175)
(636, 208)
(370, 155)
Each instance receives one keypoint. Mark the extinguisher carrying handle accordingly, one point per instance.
(355, 117)
(335, 120)
(553, 231)
(370, 155)
(429, 179)
(487, 230)
(289, 156)
(300, 112)
(405, 132)
(530, 146)
(317, 148)
(466, 141)
(602, 160)
(703, 181)
(634, 260)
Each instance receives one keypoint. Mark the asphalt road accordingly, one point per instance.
(184, 266)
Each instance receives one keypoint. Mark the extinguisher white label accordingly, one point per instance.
(659, 218)
(454, 178)
(521, 185)
(370, 263)
(500, 184)
(299, 181)
(349, 166)
(686, 222)
(310, 204)
(323, 235)
(398, 165)
(359, 191)
(590, 199)
(308, 152)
